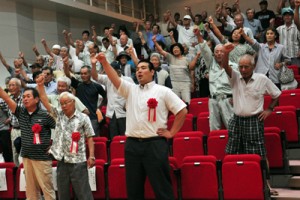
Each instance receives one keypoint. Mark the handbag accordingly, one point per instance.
(285, 75)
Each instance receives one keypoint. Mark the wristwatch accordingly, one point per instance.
(93, 158)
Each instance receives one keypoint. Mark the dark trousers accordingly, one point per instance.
(5, 142)
(75, 174)
(117, 126)
(148, 159)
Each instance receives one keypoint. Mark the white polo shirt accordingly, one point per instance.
(137, 124)
(248, 99)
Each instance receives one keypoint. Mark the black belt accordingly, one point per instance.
(221, 96)
(149, 139)
(17, 127)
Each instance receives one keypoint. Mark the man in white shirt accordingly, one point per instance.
(115, 110)
(146, 150)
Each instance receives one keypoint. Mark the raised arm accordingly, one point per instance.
(21, 55)
(281, 4)
(11, 103)
(94, 72)
(246, 37)
(192, 64)
(47, 49)
(215, 29)
(67, 67)
(4, 61)
(71, 41)
(171, 19)
(171, 33)
(66, 38)
(94, 36)
(111, 73)
(158, 47)
(35, 50)
(133, 56)
(227, 48)
(43, 96)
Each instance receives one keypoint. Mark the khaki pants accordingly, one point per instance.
(38, 176)
(13, 135)
(220, 111)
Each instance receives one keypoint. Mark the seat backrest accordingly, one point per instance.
(187, 146)
(117, 179)
(117, 147)
(199, 178)
(274, 149)
(216, 143)
(242, 177)
(198, 105)
(100, 151)
(187, 125)
(295, 69)
(8, 169)
(203, 123)
(100, 180)
(292, 99)
(284, 120)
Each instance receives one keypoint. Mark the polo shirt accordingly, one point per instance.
(26, 121)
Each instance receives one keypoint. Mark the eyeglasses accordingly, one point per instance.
(66, 103)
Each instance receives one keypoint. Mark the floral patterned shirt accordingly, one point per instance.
(62, 141)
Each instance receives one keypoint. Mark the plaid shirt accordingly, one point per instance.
(14, 121)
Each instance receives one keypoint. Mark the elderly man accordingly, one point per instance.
(246, 127)
(88, 92)
(35, 125)
(146, 150)
(14, 88)
(68, 147)
(220, 102)
(63, 85)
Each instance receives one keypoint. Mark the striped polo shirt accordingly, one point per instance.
(26, 121)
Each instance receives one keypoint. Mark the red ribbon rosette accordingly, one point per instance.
(36, 129)
(152, 104)
(74, 145)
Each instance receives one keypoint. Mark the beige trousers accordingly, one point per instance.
(38, 176)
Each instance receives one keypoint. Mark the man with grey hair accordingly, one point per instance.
(246, 127)
(63, 85)
(58, 59)
(68, 147)
(14, 88)
(220, 102)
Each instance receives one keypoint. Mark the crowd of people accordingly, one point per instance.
(140, 73)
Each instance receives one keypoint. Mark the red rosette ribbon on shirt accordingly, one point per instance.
(74, 145)
(36, 129)
(152, 104)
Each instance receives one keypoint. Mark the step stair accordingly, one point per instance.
(288, 186)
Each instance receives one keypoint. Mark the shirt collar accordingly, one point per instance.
(148, 85)
(253, 77)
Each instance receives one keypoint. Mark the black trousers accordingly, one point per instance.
(117, 126)
(148, 158)
(5, 142)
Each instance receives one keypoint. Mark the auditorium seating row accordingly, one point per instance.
(184, 147)
(198, 177)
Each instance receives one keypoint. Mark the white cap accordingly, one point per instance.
(187, 17)
(56, 46)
